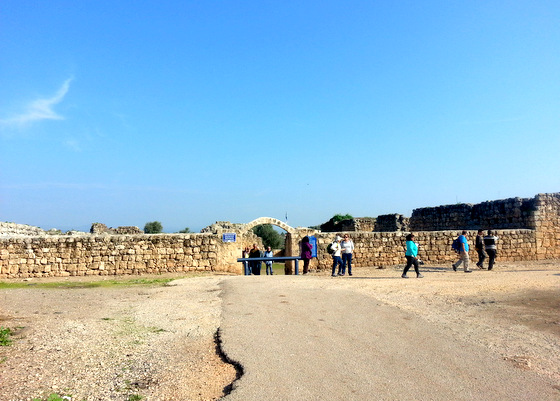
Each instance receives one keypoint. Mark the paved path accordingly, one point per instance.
(301, 338)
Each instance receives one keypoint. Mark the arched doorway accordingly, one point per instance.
(291, 243)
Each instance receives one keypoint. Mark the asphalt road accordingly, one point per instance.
(300, 338)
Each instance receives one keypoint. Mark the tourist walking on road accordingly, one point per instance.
(479, 246)
(463, 253)
(411, 256)
(306, 253)
(268, 254)
(490, 241)
(347, 246)
(337, 260)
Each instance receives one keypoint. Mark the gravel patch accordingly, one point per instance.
(159, 343)
(114, 343)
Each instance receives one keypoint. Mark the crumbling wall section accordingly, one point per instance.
(11, 229)
(392, 222)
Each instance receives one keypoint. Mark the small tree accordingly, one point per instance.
(340, 217)
(270, 237)
(332, 224)
(185, 231)
(153, 227)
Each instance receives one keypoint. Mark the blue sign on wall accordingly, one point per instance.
(313, 242)
(229, 237)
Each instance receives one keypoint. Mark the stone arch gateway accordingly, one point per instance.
(293, 237)
(268, 220)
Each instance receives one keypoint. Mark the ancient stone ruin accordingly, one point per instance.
(528, 229)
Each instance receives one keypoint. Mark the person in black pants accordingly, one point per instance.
(255, 265)
(411, 254)
(490, 241)
(479, 246)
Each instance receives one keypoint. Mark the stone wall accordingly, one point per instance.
(387, 249)
(107, 255)
(100, 228)
(355, 224)
(11, 229)
(547, 225)
(87, 254)
(391, 222)
(510, 213)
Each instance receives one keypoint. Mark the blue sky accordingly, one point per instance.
(191, 112)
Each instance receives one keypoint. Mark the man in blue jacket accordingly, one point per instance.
(463, 253)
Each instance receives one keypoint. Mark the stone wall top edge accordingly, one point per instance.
(104, 236)
(403, 233)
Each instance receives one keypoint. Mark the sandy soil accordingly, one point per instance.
(114, 343)
(160, 343)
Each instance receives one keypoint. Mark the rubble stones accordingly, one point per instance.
(11, 229)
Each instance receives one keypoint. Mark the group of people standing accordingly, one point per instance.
(342, 250)
(254, 267)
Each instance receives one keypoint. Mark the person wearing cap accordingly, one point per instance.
(337, 260)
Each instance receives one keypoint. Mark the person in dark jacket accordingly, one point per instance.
(306, 254)
(479, 246)
(255, 266)
(490, 241)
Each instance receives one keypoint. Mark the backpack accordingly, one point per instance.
(456, 245)
(330, 248)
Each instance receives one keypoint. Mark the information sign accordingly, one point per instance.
(313, 242)
(229, 237)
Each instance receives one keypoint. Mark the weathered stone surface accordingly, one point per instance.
(500, 214)
(11, 229)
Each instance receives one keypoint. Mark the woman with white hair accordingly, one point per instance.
(336, 252)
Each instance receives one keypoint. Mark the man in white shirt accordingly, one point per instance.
(337, 260)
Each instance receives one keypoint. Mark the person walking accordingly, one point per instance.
(337, 260)
(347, 246)
(255, 265)
(268, 254)
(479, 246)
(306, 253)
(463, 253)
(411, 256)
(490, 241)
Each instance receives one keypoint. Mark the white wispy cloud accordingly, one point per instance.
(39, 109)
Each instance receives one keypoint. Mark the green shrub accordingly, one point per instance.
(153, 227)
(5, 334)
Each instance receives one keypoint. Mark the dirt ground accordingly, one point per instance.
(160, 343)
